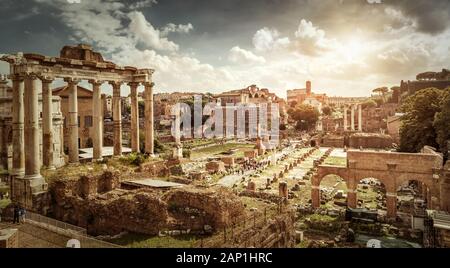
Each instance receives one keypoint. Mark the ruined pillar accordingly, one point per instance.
(315, 196)
(352, 200)
(97, 111)
(18, 138)
(345, 119)
(31, 115)
(251, 186)
(360, 129)
(47, 122)
(117, 118)
(283, 189)
(134, 117)
(3, 129)
(391, 204)
(73, 119)
(352, 119)
(149, 131)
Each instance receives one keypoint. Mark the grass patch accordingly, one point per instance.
(219, 149)
(303, 244)
(336, 161)
(321, 218)
(4, 203)
(146, 241)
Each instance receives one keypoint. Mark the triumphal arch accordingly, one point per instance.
(32, 72)
(392, 170)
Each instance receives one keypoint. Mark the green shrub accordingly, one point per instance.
(134, 159)
(186, 153)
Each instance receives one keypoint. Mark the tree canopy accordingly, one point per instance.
(442, 125)
(327, 110)
(418, 123)
(306, 116)
(370, 103)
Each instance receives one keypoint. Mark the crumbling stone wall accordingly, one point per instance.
(95, 203)
(278, 232)
(215, 207)
(156, 169)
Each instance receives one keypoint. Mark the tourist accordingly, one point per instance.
(16, 214)
(22, 215)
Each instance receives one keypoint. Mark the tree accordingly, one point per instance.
(305, 116)
(382, 92)
(370, 103)
(442, 125)
(417, 128)
(327, 110)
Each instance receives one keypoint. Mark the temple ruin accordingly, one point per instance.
(29, 72)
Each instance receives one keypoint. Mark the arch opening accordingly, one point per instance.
(413, 198)
(371, 194)
(333, 192)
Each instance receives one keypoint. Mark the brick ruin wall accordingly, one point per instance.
(278, 232)
(375, 141)
(97, 204)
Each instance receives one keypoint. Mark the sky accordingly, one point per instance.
(345, 47)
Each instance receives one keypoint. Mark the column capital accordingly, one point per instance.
(71, 80)
(133, 84)
(115, 84)
(16, 77)
(96, 82)
(149, 84)
(46, 79)
(32, 76)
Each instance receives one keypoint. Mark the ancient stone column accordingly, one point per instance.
(391, 205)
(18, 138)
(352, 119)
(345, 119)
(47, 122)
(134, 117)
(283, 189)
(149, 131)
(315, 196)
(73, 120)
(97, 108)
(117, 118)
(352, 201)
(31, 111)
(360, 129)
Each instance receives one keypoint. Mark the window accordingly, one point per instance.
(78, 119)
(88, 121)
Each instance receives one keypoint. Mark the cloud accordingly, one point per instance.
(142, 4)
(239, 55)
(432, 17)
(144, 32)
(267, 39)
(311, 40)
(173, 28)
